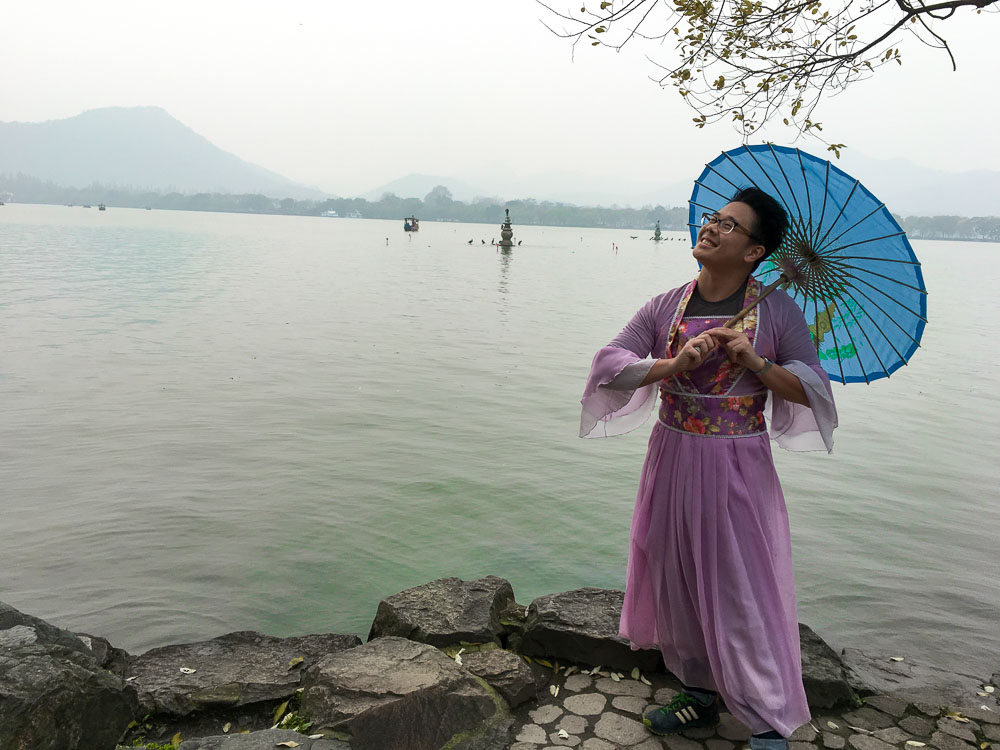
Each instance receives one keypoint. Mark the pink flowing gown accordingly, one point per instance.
(709, 580)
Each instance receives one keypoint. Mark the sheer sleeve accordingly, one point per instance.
(613, 401)
(796, 427)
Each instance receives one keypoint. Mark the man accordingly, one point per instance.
(709, 580)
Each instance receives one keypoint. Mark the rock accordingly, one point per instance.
(907, 680)
(397, 693)
(54, 695)
(233, 670)
(115, 660)
(823, 674)
(265, 740)
(505, 672)
(446, 612)
(887, 705)
(582, 626)
(868, 718)
(620, 731)
(586, 704)
(918, 726)
(944, 741)
(867, 742)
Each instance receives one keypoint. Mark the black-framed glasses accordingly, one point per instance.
(726, 226)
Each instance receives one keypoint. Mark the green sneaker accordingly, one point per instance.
(683, 712)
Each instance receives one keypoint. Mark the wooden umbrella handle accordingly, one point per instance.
(783, 279)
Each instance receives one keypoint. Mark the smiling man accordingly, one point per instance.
(709, 580)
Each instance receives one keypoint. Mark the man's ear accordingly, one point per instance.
(754, 253)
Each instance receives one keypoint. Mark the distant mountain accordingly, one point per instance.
(419, 185)
(141, 148)
(909, 189)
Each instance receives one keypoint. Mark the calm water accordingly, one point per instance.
(215, 422)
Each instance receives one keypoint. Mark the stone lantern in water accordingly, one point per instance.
(506, 233)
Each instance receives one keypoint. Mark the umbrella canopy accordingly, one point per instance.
(844, 260)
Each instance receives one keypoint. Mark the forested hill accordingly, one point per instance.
(140, 148)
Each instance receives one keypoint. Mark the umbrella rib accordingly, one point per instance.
(878, 327)
(836, 344)
(880, 260)
(740, 169)
(865, 334)
(881, 276)
(844, 275)
(889, 318)
(726, 179)
(831, 250)
(856, 224)
(781, 169)
(821, 240)
(703, 185)
(805, 181)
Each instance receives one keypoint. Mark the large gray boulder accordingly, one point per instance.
(505, 672)
(823, 674)
(232, 670)
(909, 680)
(397, 693)
(54, 695)
(582, 626)
(445, 612)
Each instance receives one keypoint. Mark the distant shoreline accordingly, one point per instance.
(526, 212)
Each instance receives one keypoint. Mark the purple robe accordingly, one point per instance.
(709, 580)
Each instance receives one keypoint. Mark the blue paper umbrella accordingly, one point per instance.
(844, 260)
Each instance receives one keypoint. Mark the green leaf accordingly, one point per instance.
(279, 711)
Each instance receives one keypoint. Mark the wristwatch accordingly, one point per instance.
(768, 364)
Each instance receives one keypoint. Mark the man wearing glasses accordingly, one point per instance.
(709, 579)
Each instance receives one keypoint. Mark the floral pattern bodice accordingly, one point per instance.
(700, 401)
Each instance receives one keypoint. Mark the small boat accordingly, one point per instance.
(355, 215)
(411, 224)
(101, 207)
(329, 214)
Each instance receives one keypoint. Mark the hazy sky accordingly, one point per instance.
(349, 95)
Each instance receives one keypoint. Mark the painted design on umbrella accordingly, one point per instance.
(845, 260)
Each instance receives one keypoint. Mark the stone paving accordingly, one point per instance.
(603, 711)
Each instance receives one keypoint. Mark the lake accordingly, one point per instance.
(217, 422)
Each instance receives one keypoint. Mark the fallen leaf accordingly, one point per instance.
(458, 659)
(914, 743)
(279, 711)
(176, 739)
(315, 736)
(188, 670)
(243, 731)
(862, 730)
(895, 658)
(986, 707)
(983, 745)
(544, 663)
(226, 727)
(635, 673)
(554, 689)
(290, 743)
(564, 734)
(571, 670)
(129, 679)
(989, 688)
(616, 677)
(981, 693)
(957, 716)
(832, 725)
(644, 681)
(296, 661)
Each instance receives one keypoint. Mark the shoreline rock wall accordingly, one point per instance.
(450, 664)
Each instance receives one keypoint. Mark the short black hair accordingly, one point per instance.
(771, 221)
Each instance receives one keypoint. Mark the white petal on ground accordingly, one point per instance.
(188, 670)
(554, 689)
(564, 734)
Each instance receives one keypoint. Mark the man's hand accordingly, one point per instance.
(738, 347)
